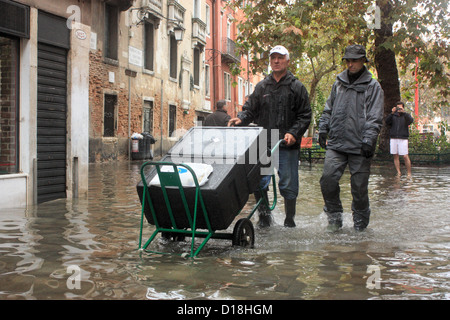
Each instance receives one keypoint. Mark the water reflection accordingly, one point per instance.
(407, 243)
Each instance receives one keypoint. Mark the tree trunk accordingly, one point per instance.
(386, 66)
(312, 99)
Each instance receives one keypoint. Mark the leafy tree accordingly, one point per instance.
(410, 30)
(317, 31)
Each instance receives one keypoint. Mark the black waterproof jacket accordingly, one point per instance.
(282, 105)
(353, 113)
(399, 122)
(219, 118)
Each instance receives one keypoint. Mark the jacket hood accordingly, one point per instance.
(364, 78)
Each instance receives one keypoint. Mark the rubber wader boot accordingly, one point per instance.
(334, 221)
(265, 217)
(361, 220)
(289, 208)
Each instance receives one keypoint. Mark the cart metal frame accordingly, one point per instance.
(243, 232)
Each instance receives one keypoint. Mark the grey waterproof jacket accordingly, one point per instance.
(282, 105)
(353, 113)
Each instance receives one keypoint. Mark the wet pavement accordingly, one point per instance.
(86, 248)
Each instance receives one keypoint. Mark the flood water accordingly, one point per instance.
(86, 248)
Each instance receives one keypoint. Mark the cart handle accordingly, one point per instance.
(280, 142)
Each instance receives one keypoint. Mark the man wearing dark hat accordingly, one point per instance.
(220, 117)
(280, 103)
(348, 129)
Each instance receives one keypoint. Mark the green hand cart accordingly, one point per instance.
(243, 232)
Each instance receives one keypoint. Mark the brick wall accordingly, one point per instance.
(143, 85)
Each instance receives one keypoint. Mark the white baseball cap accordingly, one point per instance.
(281, 50)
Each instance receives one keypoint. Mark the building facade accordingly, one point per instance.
(160, 67)
(44, 117)
(146, 74)
(78, 78)
(221, 53)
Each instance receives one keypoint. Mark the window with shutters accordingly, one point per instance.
(9, 108)
(109, 115)
(208, 20)
(173, 57)
(14, 19)
(196, 66)
(111, 32)
(149, 45)
(172, 119)
(207, 81)
(240, 91)
(227, 86)
(148, 117)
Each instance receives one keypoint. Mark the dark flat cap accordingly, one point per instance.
(355, 51)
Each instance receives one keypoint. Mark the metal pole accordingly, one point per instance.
(214, 54)
(35, 172)
(75, 179)
(129, 115)
(416, 94)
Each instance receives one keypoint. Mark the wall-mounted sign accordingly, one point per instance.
(135, 56)
(80, 34)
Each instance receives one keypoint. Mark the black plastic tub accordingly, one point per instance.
(235, 157)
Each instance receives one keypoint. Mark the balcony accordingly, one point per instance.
(154, 6)
(151, 10)
(176, 12)
(229, 52)
(198, 32)
(122, 5)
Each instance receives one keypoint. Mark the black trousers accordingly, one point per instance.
(359, 167)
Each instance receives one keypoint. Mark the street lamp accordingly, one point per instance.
(178, 31)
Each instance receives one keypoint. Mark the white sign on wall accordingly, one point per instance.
(135, 56)
(111, 76)
(93, 41)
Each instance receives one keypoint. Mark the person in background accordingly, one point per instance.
(399, 121)
(279, 102)
(351, 121)
(220, 117)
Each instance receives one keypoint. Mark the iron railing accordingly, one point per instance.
(315, 155)
(229, 52)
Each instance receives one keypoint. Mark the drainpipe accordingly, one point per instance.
(131, 74)
(129, 115)
(214, 51)
(129, 91)
(161, 140)
(35, 197)
(75, 182)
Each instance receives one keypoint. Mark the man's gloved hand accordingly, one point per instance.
(323, 140)
(367, 150)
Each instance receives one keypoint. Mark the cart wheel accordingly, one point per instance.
(179, 238)
(244, 233)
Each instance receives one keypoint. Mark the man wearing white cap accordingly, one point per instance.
(280, 102)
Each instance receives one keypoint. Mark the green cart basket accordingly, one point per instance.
(243, 232)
